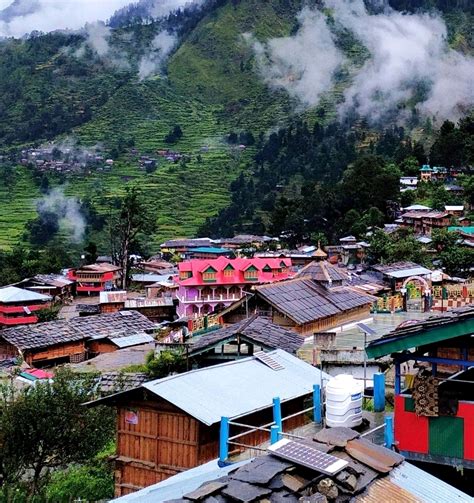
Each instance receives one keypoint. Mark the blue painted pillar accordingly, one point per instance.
(277, 413)
(317, 403)
(389, 440)
(379, 392)
(274, 434)
(398, 384)
(223, 440)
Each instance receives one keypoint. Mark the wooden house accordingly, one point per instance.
(58, 287)
(18, 306)
(170, 425)
(241, 340)
(434, 401)
(306, 307)
(95, 278)
(75, 340)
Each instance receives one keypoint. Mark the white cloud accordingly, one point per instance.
(406, 50)
(160, 48)
(304, 64)
(50, 15)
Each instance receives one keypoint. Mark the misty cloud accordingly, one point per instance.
(304, 64)
(25, 16)
(68, 212)
(160, 48)
(407, 50)
(409, 60)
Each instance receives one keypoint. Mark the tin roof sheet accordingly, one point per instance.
(10, 294)
(425, 486)
(131, 340)
(210, 393)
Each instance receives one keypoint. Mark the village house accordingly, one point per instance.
(95, 278)
(170, 425)
(75, 340)
(58, 287)
(434, 387)
(208, 252)
(207, 286)
(408, 183)
(456, 210)
(19, 306)
(240, 340)
(155, 309)
(182, 246)
(304, 306)
(423, 222)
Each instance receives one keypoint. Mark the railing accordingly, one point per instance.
(207, 298)
(275, 428)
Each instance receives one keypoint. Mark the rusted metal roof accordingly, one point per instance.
(377, 457)
(385, 490)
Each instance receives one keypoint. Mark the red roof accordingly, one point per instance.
(39, 374)
(197, 267)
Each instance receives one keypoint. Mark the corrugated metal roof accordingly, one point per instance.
(132, 340)
(384, 490)
(425, 486)
(405, 273)
(210, 393)
(151, 278)
(14, 294)
(180, 484)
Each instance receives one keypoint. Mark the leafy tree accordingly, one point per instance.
(174, 134)
(127, 224)
(165, 363)
(370, 182)
(45, 427)
(49, 314)
(43, 228)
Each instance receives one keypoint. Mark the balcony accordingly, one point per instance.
(207, 298)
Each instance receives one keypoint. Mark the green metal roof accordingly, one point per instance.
(406, 340)
(467, 230)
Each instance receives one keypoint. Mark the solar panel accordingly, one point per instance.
(305, 455)
(268, 360)
(366, 329)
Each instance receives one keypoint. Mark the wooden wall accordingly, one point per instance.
(102, 346)
(54, 352)
(165, 441)
(7, 350)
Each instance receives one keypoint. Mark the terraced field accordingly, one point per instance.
(17, 206)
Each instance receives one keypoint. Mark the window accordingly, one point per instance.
(185, 274)
(209, 275)
(251, 274)
(228, 271)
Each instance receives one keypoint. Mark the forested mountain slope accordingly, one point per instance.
(92, 88)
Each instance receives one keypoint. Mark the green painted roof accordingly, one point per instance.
(467, 230)
(433, 330)
(425, 168)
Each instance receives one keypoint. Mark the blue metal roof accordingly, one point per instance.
(208, 394)
(180, 484)
(425, 486)
(210, 249)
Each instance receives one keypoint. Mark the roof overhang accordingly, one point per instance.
(422, 337)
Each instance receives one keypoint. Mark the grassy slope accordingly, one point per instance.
(208, 95)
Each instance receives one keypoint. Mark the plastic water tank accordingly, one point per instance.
(344, 401)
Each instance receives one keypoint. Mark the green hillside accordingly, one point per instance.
(210, 88)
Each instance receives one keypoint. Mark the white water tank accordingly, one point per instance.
(344, 401)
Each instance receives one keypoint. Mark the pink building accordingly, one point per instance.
(207, 286)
